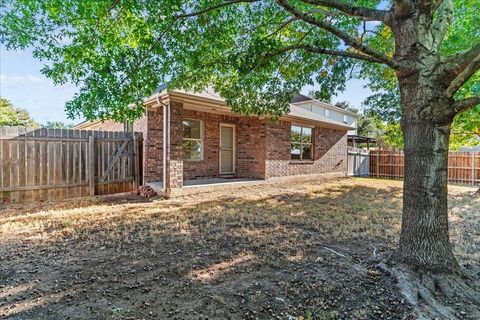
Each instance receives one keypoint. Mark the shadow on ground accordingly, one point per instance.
(276, 255)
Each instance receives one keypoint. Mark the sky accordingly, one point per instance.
(26, 87)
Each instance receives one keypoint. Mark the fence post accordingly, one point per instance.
(91, 165)
(136, 160)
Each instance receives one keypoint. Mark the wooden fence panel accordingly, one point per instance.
(48, 164)
(463, 167)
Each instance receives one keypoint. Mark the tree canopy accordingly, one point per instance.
(11, 116)
(57, 125)
(256, 54)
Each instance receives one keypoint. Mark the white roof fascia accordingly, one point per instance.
(327, 105)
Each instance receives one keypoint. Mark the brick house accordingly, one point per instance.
(206, 140)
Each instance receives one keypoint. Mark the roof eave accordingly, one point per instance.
(331, 106)
(332, 125)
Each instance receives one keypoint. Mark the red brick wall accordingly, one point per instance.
(278, 140)
(152, 146)
(209, 166)
(262, 148)
(329, 155)
(176, 145)
(251, 147)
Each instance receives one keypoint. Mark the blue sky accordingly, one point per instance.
(23, 84)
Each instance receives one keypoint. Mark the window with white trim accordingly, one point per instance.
(192, 139)
(301, 138)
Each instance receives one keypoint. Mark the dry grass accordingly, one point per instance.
(193, 249)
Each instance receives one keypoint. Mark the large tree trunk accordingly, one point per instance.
(424, 240)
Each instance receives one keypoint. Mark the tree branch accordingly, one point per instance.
(437, 4)
(183, 16)
(349, 40)
(459, 61)
(442, 22)
(280, 27)
(465, 104)
(218, 6)
(462, 68)
(313, 49)
(351, 10)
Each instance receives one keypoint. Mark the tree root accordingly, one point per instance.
(444, 296)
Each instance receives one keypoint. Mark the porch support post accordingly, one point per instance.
(166, 181)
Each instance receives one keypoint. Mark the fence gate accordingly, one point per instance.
(358, 162)
(48, 164)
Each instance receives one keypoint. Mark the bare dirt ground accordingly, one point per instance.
(302, 250)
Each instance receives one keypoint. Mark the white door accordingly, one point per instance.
(227, 149)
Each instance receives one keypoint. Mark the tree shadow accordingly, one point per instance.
(287, 254)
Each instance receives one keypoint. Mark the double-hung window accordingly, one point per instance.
(301, 138)
(192, 139)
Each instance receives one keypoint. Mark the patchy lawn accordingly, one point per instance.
(302, 250)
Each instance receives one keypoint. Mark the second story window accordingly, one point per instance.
(301, 138)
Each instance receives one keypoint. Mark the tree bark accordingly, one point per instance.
(424, 240)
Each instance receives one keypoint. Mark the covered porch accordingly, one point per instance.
(201, 142)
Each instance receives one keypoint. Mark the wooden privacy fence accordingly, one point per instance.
(48, 164)
(358, 161)
(463, 167)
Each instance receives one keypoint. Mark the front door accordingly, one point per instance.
(227, 148)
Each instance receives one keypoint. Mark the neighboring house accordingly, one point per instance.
(205, 139)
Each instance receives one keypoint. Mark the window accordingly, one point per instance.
(345, 119)
(192, 140)
(301, 138)
(327, 113)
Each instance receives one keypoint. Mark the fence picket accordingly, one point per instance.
(463, 167)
